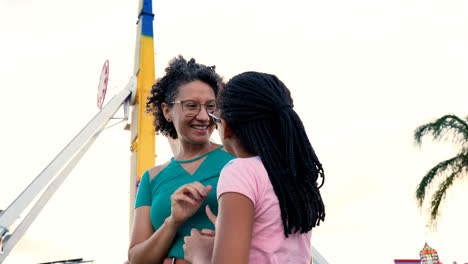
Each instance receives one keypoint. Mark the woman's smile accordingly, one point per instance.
(202, 129)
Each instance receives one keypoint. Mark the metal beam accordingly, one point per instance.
(62, 165)
(142, 129)
(317, 257)
(40, 204)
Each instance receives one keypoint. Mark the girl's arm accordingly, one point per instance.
(233, 229)
(233, 234)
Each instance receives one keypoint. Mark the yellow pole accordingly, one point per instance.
(142, 129)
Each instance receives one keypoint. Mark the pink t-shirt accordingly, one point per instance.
(249, 177)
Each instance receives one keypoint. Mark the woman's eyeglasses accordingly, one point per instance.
(216, 119)
(192, 108)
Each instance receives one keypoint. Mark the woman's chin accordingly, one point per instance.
(200, 138)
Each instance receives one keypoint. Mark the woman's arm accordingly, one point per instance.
(147, 246)
(233, 234)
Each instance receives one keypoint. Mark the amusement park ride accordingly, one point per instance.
(427, 255)
(142, 138)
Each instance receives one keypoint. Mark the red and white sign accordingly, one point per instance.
(102, 87)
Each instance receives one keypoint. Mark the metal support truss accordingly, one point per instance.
(55, 173)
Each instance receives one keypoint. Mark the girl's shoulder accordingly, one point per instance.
(246, 166)
(254, 161)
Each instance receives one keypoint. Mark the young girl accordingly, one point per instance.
(269, 199)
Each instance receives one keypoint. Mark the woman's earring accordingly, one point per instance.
(169, 120)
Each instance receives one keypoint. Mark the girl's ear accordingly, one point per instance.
(166, 112)
(227, 130)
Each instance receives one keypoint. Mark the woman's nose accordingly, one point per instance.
(203, 114)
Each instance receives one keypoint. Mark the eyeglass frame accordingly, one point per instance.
(215, 119)
(199, 106)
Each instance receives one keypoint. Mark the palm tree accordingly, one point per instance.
(448, 126)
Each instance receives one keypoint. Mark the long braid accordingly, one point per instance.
(258, 107)
(267, 157)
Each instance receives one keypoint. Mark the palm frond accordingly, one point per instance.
(445, 166)
(442, 127)
(440, 194)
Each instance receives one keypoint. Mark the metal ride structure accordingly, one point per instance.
(142, 141)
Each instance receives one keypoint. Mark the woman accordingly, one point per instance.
(170, 195)
(269, 199)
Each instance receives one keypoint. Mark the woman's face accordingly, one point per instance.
(195, 129)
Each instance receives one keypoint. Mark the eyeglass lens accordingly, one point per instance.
(192, 108)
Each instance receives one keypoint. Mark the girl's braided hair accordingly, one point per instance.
(259, 108)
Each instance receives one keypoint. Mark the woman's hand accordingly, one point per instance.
(198, 247)
(210, 215)
(186, 200)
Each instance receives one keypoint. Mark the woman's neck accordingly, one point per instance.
(189, 151)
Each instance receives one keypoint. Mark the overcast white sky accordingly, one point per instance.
(363, 75)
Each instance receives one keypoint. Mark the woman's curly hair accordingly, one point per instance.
(178, 72)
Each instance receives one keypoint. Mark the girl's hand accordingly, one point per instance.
(198, 247)
(186, 200)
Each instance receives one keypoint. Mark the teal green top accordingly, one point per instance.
(157, 194)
